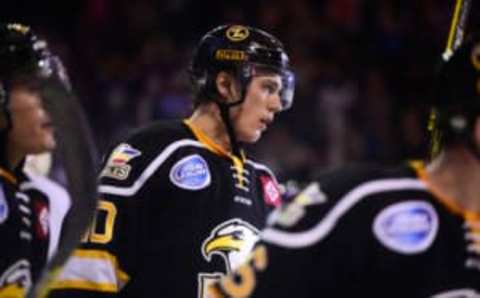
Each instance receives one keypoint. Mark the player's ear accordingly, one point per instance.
(226, 86)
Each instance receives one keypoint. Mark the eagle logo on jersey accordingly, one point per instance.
(117, 165)
(233, 241)
(408, 227)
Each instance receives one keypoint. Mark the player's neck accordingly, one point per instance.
(207, 118)
(456, 174)
(14, 156)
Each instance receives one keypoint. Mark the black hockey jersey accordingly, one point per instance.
(364, 233)
(176, 213)
(25, 234)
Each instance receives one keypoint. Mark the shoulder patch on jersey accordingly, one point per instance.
(3, 206)
(191, 173)
(291, 213)
(117, 166)
(408, 227)
(271, 193)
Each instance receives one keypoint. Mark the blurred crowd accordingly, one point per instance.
(364, 69)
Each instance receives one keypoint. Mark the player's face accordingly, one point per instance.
(257, 112)
(31, 130)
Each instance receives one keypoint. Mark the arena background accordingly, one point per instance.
(364, 69)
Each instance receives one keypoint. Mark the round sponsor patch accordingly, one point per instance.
(408, 227)
(191, 173)
(3, 207)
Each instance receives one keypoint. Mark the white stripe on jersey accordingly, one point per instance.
(149, 170)
(91, 270)
(347, 202)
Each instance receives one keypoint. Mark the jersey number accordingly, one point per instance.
(244, 285)
(101, 230)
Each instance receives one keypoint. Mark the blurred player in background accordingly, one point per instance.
(181, 204)
(413, 231)
(27, 67)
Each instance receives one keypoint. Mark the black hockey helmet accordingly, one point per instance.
(25, 57)
(458, 93)
(240, 50)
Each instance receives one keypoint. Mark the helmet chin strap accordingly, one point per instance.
(227, 120)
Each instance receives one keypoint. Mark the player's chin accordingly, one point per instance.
(50, 142)
(251, 137)
(46, 143)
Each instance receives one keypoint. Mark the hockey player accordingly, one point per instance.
(181, 203)
(413, 231)
(26, 68)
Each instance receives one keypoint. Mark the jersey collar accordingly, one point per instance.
(238, 162)
(448, 202)
(8, 176)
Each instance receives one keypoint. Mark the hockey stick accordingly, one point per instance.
(457, 27)
(77, 151)
(455, 38)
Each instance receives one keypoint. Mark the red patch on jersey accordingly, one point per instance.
(271, 193)
(41, 221)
